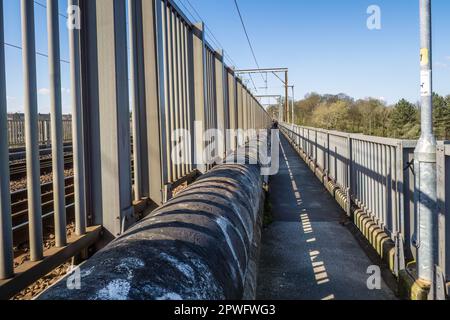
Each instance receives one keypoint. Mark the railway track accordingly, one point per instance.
(19, 198)
(19, 153)
(19, 209)
(19, 170)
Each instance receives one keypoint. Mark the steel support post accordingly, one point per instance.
(56, 123)
(293, 105)
(137, 96)
(77, 128)
(32, 130)
(154, 97)
(6, 246)
(425, 158)
(200, 94)
(220, 102)
(113, 106)
(350, 175)
(443, 195)
(286, 102)
(232, 99)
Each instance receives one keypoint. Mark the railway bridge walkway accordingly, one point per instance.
(169, 181)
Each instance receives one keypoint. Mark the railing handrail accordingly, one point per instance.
(363, 137)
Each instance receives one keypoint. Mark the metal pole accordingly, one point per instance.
(293, 105)
(31, 131)
(286, 108)
(425, 157)
(6, 247)
(56, 123)
(77, 128)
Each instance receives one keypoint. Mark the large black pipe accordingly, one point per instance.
(200, 245)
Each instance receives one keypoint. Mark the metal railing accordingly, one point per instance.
(178, 82)
(443, 196)
(16, 132)
(377, 175)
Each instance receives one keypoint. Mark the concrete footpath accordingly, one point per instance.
(306, 253)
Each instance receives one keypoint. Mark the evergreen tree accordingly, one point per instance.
(404, 119)
(441, 115)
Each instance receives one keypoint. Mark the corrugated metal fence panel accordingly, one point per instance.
(167, 59)
(233, 112)
(210, 103)
(177, 118)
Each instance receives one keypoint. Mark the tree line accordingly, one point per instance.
(369, 116)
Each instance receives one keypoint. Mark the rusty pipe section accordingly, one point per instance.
(201, 245)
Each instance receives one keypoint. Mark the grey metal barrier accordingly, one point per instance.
(178, 82)
(443, 194)
(375, 173)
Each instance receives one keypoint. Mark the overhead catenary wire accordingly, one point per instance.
(37, 52)
(247, 36)
(45, 7)
(196, 15)
(208, 30)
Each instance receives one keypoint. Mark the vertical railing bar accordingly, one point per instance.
(376, 182)
(31, 131)
(393, 204)
(168, 99)
(181, 114)
(384, 187)
(176, 87)
(56, 123)
(176, 100)
(373, 188)
(171, 75)
(190, 94)
(186, 148)
(6, 237)
(376, 172)
(400, 163)
(207, 103)
(369, 177)
(380, 185)
(212, 100)
(360, 172)
(77, 128)
(134, 98)
(15, 131)
(364, 173)
(394, 195)
(161, 48)
(372, 179)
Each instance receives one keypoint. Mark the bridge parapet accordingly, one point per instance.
(189, 111)
(372, 179)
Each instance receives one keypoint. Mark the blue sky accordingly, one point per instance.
(325, 44)
(14, 67)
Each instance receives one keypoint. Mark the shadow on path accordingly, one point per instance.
(306, 253)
